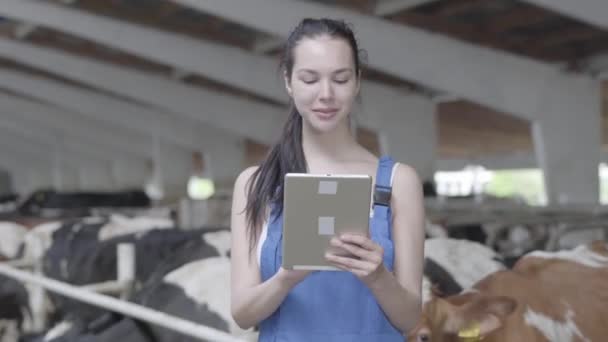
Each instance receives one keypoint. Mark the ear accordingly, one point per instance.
(489, 313)
(477, 316)
(498, 309)
(287, 84)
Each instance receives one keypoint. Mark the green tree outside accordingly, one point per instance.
(524, 183)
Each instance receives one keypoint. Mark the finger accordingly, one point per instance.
(357, 251)
(356, 272)
(361, 240)
(349, 263)
(338, 266)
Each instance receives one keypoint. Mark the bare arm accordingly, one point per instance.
(251, 299)
(399, 294)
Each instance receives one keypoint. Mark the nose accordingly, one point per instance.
(326, 92)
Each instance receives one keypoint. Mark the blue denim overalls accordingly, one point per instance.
(332, 306)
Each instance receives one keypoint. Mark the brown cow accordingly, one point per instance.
(557, 297)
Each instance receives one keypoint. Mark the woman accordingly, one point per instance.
(378, 296)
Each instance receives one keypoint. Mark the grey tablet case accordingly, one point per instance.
(318, 207)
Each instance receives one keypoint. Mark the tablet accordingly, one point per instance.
(318, 207)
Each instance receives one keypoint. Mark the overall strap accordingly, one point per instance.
(382, 189)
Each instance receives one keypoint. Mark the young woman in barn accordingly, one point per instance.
(377, 297)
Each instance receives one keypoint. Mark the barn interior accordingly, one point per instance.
(134, 110)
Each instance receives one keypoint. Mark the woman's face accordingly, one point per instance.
(323, 82)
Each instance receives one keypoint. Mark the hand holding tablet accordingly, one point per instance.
(366, 260)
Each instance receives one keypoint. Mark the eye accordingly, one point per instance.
(309, 79)
(423, 337)
(341, 81)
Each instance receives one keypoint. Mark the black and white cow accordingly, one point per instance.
(79, 251)
(451, 265)
(8, 203)
(192, 283)
(14, 309)
(83, 252)
(11, 237)
(50, 203)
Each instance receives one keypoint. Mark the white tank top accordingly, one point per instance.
(265, 224)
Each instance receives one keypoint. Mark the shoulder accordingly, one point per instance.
(406, 183)
(245, 175)
(242, 181)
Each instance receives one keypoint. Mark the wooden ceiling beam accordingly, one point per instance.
(517, 17)
(453, 8)
(363, 6)
(562, 37)
(592, 12)
(213, 29)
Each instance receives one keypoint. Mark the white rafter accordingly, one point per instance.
(233, 66)
(115, 138)
(148, 121)
(215, 61)
(241, 117)
(502, 81)
(51, 136)
(39, 149)
(13, 160)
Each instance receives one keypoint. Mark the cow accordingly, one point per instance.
(451, 265)
(14, 309)
(192, 283)
(12, 236)
(53, 204)
(79, 251)
(83, 251)
(192, 280)
(8, 203)
(39, 238)
(547, 296)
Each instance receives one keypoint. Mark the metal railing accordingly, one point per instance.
(88, 294)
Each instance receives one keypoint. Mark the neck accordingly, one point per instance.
(332, 145)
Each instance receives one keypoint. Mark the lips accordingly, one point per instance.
(325, 113)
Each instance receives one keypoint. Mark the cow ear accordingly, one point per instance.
(476, 316)
(442, 310)
(490, 313)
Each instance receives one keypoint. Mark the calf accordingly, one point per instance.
(560, 296)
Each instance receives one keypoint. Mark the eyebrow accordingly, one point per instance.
(339, 71)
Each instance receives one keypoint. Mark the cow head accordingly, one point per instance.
(463, 318)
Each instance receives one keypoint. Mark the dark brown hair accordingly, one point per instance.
(265, 187)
